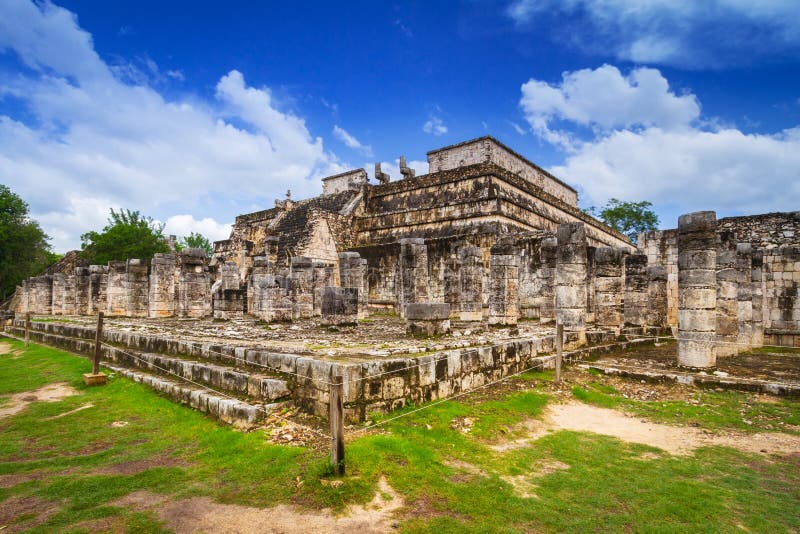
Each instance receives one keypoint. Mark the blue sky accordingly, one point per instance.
(195, 112)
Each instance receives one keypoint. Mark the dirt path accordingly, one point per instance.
(673, 439)
(201, 514)
(48, 393)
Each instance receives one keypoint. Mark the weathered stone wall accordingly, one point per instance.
(346, 181)
(781, 271)
(766, 231)
(489, 150)
(481, 199)
(661, 248)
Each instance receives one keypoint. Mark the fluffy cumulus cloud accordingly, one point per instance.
(350, 141)
(685, 33)
(640, 141)
(604, 99)
(434, 126)
(89, 138)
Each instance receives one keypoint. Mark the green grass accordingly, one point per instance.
(608, 485)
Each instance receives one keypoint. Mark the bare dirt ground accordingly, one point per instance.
(678, 440)
(6, 348)
(201, 514)
(49, 393)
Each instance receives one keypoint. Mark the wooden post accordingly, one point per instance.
(337, 426)
(559, 350)
(96, 378)
(98, 335)
(27, 329)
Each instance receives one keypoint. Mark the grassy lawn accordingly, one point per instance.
(439, 460)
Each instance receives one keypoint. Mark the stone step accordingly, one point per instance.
(221, 377)
(229, 410)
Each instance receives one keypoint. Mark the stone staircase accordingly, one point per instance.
(212, 379)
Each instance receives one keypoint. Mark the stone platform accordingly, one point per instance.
(776, 373)
(240, 371)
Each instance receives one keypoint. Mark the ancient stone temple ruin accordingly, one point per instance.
(485, 238)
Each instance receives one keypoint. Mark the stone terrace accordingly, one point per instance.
(373, 339)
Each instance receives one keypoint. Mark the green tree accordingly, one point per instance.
(196, 240)
(630, 218)
(24, 247)
(128, 234)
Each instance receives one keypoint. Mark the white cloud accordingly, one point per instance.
(434, 126)
(98, 140)
(350, 141)
(642, 142)
(517, 128)
(183, 225)
(604, 99)
(723, 170)
(675, 32)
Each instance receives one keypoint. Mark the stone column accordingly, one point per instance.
(194, 284)
(260, 282)
(728, 278)
(60, 290)
(609, 286)
(547, 275)
(744, 296)
(98, 283)
(452, 284)
(353, 274)
(426, 319)
(82, 302)
(44, 294)
(116, 289)
(471, 284)
(657, 296)
(302, 287)
(138, 285)
(161, 299)
(504, 285)
(697, 289)
(229, 276)
(635, 290)
(570, 280)
(413, 273)
(339, 305)
(757, 291)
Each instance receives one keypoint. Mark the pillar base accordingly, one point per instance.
(91, 379)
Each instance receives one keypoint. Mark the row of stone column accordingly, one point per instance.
(179, 284)
(306, 289)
